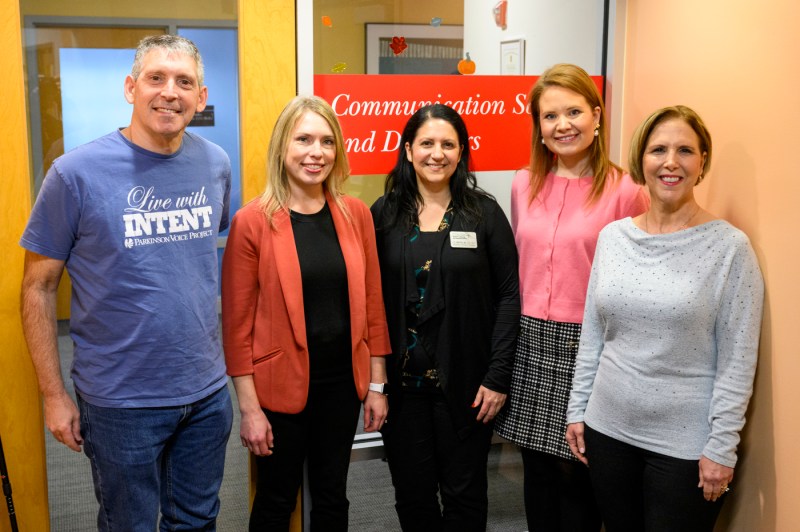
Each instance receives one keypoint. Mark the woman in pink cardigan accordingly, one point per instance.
(558, 206)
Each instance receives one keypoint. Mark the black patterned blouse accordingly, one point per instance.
(418, 366)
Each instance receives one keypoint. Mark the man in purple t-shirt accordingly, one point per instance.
(134, 217)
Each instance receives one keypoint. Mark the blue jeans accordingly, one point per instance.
(143, 458)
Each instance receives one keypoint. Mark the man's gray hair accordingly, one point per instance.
(170, 44)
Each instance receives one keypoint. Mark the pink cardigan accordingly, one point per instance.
(556, 236)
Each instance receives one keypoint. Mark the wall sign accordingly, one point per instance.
(204, 118)
(374, 109)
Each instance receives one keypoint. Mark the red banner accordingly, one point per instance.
(373, 109)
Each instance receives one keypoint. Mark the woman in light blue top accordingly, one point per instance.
(669, 344)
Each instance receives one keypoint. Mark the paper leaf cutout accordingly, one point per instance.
(398, 45)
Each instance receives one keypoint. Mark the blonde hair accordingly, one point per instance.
(277, 193)
(575, 79)
(645, 129)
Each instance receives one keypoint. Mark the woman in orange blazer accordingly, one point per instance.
(304, 327)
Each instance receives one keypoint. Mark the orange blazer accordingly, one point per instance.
(263, 321)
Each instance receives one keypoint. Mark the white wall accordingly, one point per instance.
(555, 31)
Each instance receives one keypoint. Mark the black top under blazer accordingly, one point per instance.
(470, 316)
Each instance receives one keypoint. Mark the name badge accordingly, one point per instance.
(463, 239)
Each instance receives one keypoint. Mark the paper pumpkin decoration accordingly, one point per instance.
(466, 66)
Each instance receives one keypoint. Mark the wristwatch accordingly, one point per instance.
(382, 387)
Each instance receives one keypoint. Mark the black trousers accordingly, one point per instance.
(558, 494)
(639, 490)
(427, 459)
(322, 433)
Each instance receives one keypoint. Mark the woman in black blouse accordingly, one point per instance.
(449, 272)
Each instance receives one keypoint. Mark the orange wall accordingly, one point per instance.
(183, 9)
(736, 64)
(20, 411)
(266, 60)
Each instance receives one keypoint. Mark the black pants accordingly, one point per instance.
(558, 494)
(323, 433)
(426, 458)
(639, 490)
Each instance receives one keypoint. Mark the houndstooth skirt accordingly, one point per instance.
(543, 368)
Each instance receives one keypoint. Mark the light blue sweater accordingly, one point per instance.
(670, 339)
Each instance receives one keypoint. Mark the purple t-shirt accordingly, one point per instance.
(138, 231)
